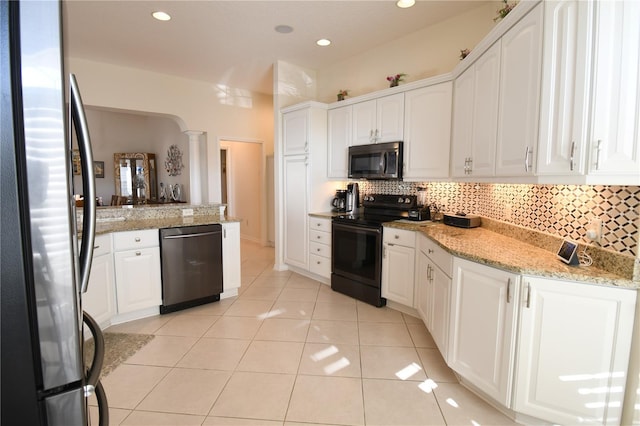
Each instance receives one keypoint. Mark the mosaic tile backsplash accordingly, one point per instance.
(561, 210)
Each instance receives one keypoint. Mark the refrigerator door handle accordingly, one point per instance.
(79, 121)
(93, 374)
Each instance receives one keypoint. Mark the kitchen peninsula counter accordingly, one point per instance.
(491, 248)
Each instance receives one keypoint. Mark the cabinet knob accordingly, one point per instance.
(397, 237)
(318, 250)
(430, 251)
(318, 262)
(318, 224)
(137, 239)
(138, 253)
(318, 237)
(96, 247)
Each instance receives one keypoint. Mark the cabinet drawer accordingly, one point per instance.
(439, 256)
(400, 237)
(320, 249)
(317, 224)
(102, 245)
(135, 239)
(320, 265)
(320, 237)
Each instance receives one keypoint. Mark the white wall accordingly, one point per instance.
(219, 111)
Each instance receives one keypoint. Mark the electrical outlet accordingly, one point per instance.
(594, 230)
(187, 212)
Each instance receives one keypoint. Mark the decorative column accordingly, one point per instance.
(195, 173)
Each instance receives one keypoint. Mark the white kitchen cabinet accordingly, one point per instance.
(231, 261)
(99, 300)
(320, 247)
(398, 265)
(475, 116)
(295, 132)
(483, 327)
(521, 57)
(339, 133)
(563, 130)
(614, 154)
(378, 120)
(137, 270)
(573, 351)
(427, 132)
(295, 175)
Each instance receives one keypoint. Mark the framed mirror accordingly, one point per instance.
(136, 177)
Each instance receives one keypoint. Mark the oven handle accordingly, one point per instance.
(203, 234)
(365, 228)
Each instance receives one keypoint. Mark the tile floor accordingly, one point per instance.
(288, 351)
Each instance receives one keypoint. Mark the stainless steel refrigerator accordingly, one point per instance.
(44, 268)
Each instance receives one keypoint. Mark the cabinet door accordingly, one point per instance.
(462, 129)
(295, 211)
(485, 112)
(340, 134)
(615, 138)
(573, 351)
(517, 137)
(364, 123)
(138, 282)
(482, 335)
(295, 131)
(427, 131)
(390, 118)
(423, 288)
(99, 300)
(398, 263)
(441, 290)
(231, 257)
(564, 97)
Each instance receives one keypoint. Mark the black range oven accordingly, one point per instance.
(356, 251)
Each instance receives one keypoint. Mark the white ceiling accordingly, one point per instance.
(234, 42)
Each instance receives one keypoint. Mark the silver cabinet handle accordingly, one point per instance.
(224, 232)
(509, 290)
(96, 247)
(598, 149)
(430, 251)
(527, 166)
(137, 239)
(528, 304)
(571, 155)
(384, 252)
(138, 253)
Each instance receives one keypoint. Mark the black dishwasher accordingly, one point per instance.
(191, 266)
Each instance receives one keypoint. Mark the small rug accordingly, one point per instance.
(118, 347)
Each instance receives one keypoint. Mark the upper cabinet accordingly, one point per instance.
(339, 134)
(295, 132)
(378, 120)
(427, 132)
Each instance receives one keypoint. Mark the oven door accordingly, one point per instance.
(356, 253)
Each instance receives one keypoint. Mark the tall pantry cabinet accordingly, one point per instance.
(304, 182)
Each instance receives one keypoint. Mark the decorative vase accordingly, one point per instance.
(340, 97)
(394, 83)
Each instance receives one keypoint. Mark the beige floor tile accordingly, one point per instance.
(187, 325)
(261, 293)
(410, 319)
(292, 309)
(214, 308)
(335, 311)
(186, 391)
(370, 313)
(215, 354)
(142, 326)
(421, 336)
(393, 402)
(384, 334)
(272, 357)
(299, 281)
(230, 421)
(116, 415)
(163, 351)
(250, 308)
(298, 294)
(254, 267)
(147, 418)
(255, 396)
(460, 406)
(127, 385)
(328, 359)
(334, 400)
(327, 295)
(246, 281)
(435, 366)
(321, 331)
(229, 327)
(270, 281)
(388, 362)
(283, 330)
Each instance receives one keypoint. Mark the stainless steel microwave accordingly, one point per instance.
(376, 161)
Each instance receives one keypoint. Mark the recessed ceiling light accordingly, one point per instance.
(323, 42)
(403, 4)
(284, 29)
(161, 16)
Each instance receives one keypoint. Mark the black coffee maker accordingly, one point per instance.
(339, 202)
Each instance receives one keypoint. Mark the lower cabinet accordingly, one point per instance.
(483, 327)
(137, 266)
(231, 277)
(573, 351)
(398, 264)
(320, 247)
(99, 300)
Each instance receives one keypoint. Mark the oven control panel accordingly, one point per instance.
(390, 201)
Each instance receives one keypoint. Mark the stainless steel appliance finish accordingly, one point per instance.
(382, 161)
(353, 198)
(191, 266)
(461, 220)
(356, 248)
(44, 381)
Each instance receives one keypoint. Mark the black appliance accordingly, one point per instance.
(461, 220)
(382, 161)
(339, 202)
(356, 247)
(191, 266)
(420, 214)
(44, 379)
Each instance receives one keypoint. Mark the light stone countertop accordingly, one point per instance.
(493, 249)
(108, 226)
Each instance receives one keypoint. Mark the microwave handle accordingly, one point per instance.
(384, 162)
